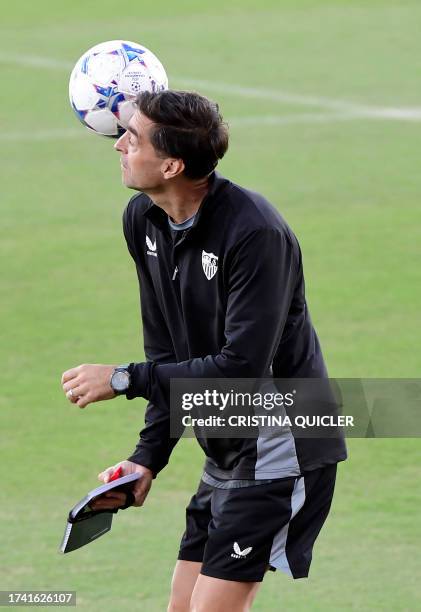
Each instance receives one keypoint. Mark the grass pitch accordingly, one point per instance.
(311, 91)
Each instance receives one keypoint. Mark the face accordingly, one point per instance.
(141, 167)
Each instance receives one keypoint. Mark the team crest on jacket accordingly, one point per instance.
(209, 264)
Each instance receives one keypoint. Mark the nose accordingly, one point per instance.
(119, 145)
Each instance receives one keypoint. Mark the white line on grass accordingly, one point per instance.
(291, 98)
(26, 60)
(43, 135)
(71, 133)
(257, 120)
(234, 122)
(347, 107)
(267, 120)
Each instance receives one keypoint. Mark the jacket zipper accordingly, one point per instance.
(183, 235)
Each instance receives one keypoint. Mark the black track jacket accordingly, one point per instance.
(226, 301)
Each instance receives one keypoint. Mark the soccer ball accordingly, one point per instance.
(105, 81)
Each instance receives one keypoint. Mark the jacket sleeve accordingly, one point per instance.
(262, 274)
(155, 445)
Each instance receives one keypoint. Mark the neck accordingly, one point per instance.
(181, 199)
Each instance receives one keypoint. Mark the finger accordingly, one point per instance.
(141, 486)
(72, 398)
(140, 493)
(113, 499)
(106, 505)
(77, 391)
(106, 474)
(69, 374)
(83, 401)
(74, 394)
(140, 499)
(116, 495)
(71, 384)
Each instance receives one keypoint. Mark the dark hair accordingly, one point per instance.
(187, 126)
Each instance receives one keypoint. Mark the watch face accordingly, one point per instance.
(120, 381)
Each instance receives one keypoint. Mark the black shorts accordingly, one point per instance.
(238, 534)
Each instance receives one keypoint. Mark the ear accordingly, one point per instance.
(172, 167)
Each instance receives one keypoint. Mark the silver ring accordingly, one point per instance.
(70, 393)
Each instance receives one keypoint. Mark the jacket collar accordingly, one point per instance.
(217, 183)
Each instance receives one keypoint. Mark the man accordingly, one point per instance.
(222, 296)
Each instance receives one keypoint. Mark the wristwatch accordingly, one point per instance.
(120, 379)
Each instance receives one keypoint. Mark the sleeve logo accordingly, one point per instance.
(151, 247)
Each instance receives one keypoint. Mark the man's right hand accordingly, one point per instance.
(115, 499)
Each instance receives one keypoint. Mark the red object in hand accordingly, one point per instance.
(117, 474)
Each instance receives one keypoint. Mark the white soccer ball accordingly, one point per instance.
(105, 81)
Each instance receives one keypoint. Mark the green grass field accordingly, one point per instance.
(310, 89)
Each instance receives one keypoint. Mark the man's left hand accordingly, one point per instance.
(88, 383)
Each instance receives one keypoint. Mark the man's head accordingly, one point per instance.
(172, 134)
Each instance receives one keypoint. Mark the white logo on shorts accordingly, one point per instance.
(240, 554)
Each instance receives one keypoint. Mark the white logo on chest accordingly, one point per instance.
(209, 264)
(151, 247)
